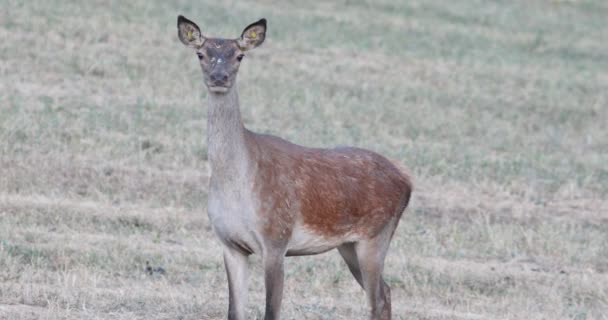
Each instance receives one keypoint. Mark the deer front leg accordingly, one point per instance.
(273, 278)
(237, 270)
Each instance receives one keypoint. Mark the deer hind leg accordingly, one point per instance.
(348, 253)
(370, 257)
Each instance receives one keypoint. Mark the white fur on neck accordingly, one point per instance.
(226, 136)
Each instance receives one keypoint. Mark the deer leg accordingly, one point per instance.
(348, 253)
(273, 278)
(237, 271)
(370, 255)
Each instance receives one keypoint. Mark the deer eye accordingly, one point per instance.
(240, 57)
(200, 55)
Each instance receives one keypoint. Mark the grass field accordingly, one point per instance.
(499, 108)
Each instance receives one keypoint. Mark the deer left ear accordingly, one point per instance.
(253, 35)
(189, 33)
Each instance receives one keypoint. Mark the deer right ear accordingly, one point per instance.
(253, 35)
(189, 33)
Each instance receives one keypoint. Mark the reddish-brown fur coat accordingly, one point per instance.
(333, 191)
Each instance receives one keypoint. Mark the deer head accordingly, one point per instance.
(220, 58)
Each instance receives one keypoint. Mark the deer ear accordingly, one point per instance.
(189, 33)
(253, 35)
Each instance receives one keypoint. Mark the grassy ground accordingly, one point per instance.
(500, 109)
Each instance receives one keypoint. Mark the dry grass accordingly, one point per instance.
(500, 108)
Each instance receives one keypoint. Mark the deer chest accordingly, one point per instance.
(233, 219)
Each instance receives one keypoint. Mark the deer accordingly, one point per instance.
(276, 199)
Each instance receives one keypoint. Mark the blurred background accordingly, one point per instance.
(499, 109)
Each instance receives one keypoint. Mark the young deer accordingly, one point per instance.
(274, 198)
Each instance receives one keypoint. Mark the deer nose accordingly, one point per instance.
(219, 76)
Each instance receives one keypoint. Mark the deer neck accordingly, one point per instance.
(226, 136)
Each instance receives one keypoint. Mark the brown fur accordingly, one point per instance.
(337, 191)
